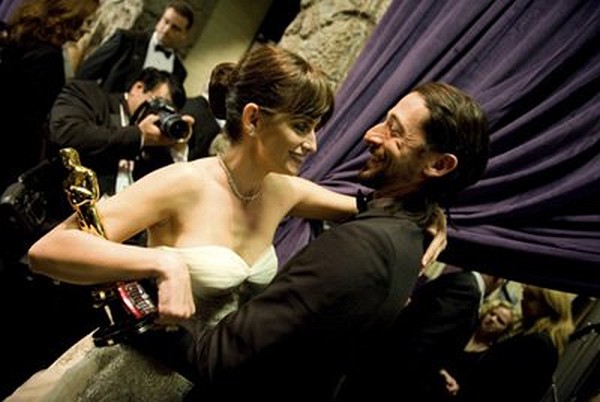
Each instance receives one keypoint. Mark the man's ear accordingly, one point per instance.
(441, 164)
(138, 86)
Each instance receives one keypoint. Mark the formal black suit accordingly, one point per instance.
(327, 306)
(118, 61)
(87, 118)
(517, 369)
(434, 327)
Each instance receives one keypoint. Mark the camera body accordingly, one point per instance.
(169, 121)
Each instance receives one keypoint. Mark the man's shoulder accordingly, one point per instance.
(89, 90)
(379, 231)
(83, 85)
(132, 34)
(381, 219)
(127, 37)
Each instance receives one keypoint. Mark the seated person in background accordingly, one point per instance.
(435, 326)
(97, 124)
(526, 360)
(210, 221)
(496, 319)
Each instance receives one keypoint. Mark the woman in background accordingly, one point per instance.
(520, 368)
(32, 73)
(496, 319)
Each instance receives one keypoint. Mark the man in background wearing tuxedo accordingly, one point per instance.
(117, 62)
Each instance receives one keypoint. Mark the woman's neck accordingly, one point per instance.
(478, 343)
(244, 178)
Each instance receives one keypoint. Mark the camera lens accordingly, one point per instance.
(173, 125)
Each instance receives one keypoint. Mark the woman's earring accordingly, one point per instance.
(251, 132)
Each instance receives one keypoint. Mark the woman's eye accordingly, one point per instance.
(302, 128)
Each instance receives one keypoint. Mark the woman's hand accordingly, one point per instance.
(452, 386)
(439, 230)
(175, 297)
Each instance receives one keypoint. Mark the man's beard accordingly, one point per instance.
(372, 179)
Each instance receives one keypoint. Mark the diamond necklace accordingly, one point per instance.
(234, 189)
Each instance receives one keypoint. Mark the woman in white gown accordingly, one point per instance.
(210, 225)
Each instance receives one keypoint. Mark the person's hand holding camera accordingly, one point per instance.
(161, 125)
(153, 135)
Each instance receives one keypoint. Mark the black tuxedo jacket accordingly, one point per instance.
(434, 327)
(328, 305)
(87, 118)
(524, 363)
(118, 61)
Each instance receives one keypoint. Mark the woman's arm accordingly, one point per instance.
(69, 254)
(317, 202)
(72, 255)
(312, 201)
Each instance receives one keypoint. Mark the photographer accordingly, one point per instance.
(122, 136)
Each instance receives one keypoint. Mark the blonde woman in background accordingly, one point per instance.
(525, 361)
(497, 318)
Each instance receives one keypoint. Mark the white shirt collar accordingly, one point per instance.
(480, 285)
(158, 59)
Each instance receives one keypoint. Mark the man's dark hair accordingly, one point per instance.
(185, 9)
(152, 77)
(457, 125)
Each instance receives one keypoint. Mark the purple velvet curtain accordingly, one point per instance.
(535, 67)
(7, 7)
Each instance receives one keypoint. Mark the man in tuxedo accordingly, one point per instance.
(118, 61)
(98, 125)
(332, 304)
(434, 327)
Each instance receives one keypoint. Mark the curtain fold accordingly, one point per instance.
(534, 65)
(7, 7)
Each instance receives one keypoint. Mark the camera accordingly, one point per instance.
(169, 121)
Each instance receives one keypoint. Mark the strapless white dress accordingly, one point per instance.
(220, 282)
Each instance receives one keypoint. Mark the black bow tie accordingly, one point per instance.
(164, 50)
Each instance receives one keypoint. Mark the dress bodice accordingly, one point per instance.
(222, 279)
(217, 268)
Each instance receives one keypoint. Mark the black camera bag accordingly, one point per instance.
(32, 206)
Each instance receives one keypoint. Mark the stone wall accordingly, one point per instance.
(331, 33)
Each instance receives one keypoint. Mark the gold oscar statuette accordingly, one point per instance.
(129, 309)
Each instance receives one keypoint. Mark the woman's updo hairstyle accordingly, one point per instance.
(275, 79)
